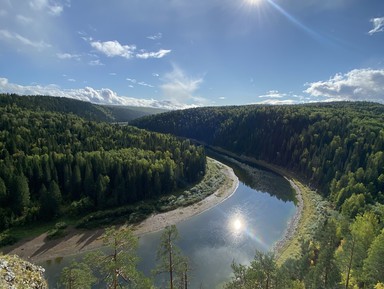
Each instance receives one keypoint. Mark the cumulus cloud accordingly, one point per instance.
(378, 25)
(15, 37)
(180, 87)
(99, 96)
(358, 84)
(114, 48)
(159, 54)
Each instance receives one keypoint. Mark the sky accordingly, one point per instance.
(179, 53)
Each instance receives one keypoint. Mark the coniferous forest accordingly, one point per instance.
(53, 162)
(58, 160)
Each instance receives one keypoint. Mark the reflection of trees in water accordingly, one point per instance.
(258, 178)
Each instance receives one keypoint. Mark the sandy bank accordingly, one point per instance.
(39, 249)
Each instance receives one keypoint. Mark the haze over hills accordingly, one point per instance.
(87, 110)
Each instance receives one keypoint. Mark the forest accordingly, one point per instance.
(335, 148)
(55, 160)
(54, 163)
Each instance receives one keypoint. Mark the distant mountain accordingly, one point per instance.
(87, 110)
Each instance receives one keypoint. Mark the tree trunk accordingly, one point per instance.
(350, 264)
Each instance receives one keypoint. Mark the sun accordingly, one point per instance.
(252, 2)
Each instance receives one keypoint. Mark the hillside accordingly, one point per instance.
(87, 110)
(54, 163)
(337, 147)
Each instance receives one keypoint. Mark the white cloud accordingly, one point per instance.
(134, 81)
(358, 84)
(277, 101)
(51, 8)
(23, 19)
(68, 56)
(114, 48)
(156, 36)
(180, 87)
(378, 25)
(159, 54)
(95, 62)
(99, 96)
(142, 83)
(275, 97)
(12, 36)
(273, 94)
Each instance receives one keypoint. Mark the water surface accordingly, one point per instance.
(251, 219)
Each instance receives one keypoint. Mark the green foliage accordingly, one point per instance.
(116, 267)
(119, 267)
(373, 264)
(52, 162)
(337, 147)
(58, 231)
(77, 276)
(263, 272)
(7, 239)
(170, 259)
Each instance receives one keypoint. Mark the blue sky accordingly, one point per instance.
(181, 53)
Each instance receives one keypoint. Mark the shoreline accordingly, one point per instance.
(80, 241)
(293, 223)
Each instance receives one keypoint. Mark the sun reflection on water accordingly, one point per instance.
(240, 229)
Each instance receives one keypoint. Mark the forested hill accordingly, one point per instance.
(87, 110)
(338, 147)
(54, 162)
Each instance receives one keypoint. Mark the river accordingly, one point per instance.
(254, 218)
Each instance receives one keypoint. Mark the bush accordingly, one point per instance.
(6, 239)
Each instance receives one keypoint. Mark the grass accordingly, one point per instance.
(314, 213)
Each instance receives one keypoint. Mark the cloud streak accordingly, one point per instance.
(114, 48)
(378, 25)
(356, 85)
(15, 37)
(180, 87)
(159, 54)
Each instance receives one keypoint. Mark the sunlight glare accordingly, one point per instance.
(252, 2)
(237, 225)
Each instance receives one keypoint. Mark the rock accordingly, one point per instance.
(16, 273)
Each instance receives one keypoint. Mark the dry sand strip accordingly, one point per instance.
(39, 249)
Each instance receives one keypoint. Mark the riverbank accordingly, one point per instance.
(38, 249)
(312, 210)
